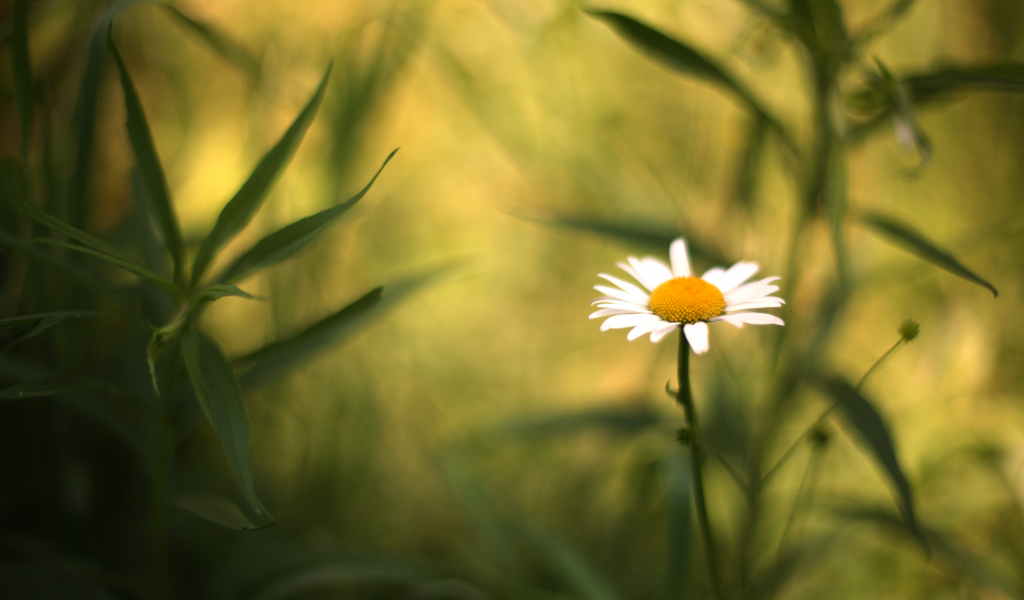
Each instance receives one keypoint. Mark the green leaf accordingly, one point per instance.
(940, 84)
(220, 290)
(69, 230)
(288, 240)
(678, 501)
(217, 509)
(651, 236)
(834, 196)
(615, 420)
(71, 270)
(567, 564)
(39, 323)
(84, 122)
(883, 21)
(868, 422)
(276, 359)
(976, 567)
(223, 45)
(125, 264)
(22, 68)
(151, 173)
(750, 163)
(908, 133)
(221, 399)
(920, 246)
(681, 58)
(49, 386)
(243, 206)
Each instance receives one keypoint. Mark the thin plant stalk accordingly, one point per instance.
(796, 443)
(685, 399)
(162, 479)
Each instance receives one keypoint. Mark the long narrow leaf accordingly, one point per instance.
(683, 59)
(69, 230)
(221, 399)
(652, 236)
(920, 246)
(223, 45)
(216, 509)
(39, 323)
(85, 113)
(49, 386)
(120, 262)
(22, 68)
(243, 206)
(222, 290)
(945, 83)
(678, 501)
(72, 271)
(277, 358)
(288, 240)
(860, 413)
(151, 172)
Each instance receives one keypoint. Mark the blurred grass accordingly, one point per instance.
(506, 108)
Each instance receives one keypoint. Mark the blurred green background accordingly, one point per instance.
(479, 438)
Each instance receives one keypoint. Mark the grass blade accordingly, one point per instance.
(49, 386)
(216, 509)
(69, 230)
(275, 360)
(221, 399)
(651, 236)
(681, 58)
(85, 114)
(125, 264)
(39, 323)
(151, 173)
(920, 246)
(223, 45)
(678, 503)
(73, 271)
(285, 242)
(22, 68)
(221, 290)
(243, 206)
(868, 422)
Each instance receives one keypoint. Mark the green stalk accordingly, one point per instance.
(161, 479)
(685, 399)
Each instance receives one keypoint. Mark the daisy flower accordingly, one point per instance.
(674, 297)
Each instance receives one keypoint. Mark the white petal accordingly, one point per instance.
(627, 287)
(750, 318)
(752, 290)
(762, 303)
(621, 295)
(713, 275)
(607, 312)
(623, 321)
(633, 308)
(697, 335)
(737, 274)
(643, 328)
(680, 260)
(657, 272)
(726, 318)
(634, 274)
(662, 331)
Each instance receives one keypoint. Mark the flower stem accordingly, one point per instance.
(685, 399)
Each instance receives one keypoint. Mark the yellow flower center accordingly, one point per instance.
(687, 300)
